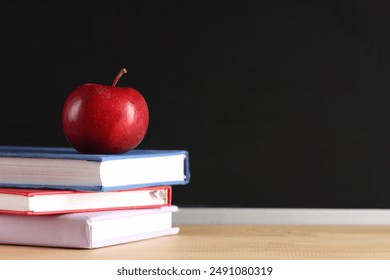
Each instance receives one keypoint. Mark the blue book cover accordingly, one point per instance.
(66, 168)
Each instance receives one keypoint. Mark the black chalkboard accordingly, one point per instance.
(280, 103)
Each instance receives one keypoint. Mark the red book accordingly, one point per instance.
(48, 201)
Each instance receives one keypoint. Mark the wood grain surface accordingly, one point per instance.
(234, 242)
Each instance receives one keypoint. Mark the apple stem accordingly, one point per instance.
(120, 74)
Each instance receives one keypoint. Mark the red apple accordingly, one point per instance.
(99, 119)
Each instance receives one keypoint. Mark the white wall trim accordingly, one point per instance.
(279, 216)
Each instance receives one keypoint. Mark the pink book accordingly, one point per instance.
(88, 229)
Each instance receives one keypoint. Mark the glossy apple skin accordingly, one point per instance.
(99, 119)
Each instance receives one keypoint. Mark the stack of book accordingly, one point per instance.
(59, 197)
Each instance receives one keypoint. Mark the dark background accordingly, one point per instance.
(280, 103)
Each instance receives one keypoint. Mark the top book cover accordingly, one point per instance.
(66, 168)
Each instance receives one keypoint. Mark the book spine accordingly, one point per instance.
(44, 231)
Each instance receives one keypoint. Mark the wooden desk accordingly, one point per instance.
(235, 242)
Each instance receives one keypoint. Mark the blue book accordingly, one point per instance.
(65, 168)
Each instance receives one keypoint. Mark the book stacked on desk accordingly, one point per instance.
(60, 198)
